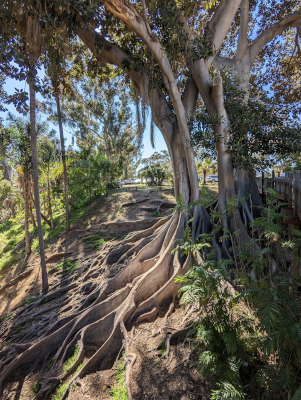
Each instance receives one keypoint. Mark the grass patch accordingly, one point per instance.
(156, 214)
(94, 241)
(65, 266)
(60, 391)
(6, 318)
(68, 364)
(11, 234)
(20, 327)
(77, 214)
(36, 387)
(163, 349)
(119, 391)
(44, 301)
(29, 300)
(49, 365)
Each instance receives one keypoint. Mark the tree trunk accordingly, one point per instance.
(32, 218)
(66, 186)
(126, 170)
(6, 168)
(226, 190)
(245, 179)
(26, 208)
(204, 176)
(35, 173)
(49, 201)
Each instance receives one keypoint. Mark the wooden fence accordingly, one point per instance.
(288, 187)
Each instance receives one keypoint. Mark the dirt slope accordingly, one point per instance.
(152, 377)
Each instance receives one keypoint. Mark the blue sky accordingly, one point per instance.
(12, 84)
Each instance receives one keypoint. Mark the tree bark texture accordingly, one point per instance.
(26, 208)
(35, 173)
(66, 186)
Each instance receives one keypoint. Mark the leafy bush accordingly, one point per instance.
(249, 337)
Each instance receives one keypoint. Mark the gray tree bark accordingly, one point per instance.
(35, 173)
(66, 185)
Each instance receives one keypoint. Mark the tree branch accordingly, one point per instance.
(220, 22)
(216, 29)
(292, 20)
(190, 96)
(128, 14)
(243, 29)
(106, 52)
(109, 53)
(223, 62)
(145, 17)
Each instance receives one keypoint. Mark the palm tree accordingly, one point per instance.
(205, 167)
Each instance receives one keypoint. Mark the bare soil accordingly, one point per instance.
(155, 374)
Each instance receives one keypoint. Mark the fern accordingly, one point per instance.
(227, 391)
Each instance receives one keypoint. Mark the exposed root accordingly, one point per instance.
(58, 256)
(134, 203)
(174, 337)
(16, 279)
(98, 325)
(129, 359)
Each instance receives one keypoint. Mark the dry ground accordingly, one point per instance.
(155, 375)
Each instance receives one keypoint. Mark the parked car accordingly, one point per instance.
(212, 178)
(129, 181)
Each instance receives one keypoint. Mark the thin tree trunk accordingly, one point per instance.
(6, 174)
(35, 173)
(126, 170)
(32, 218)
(49, 200)
(26, 207)
(31, 203)
(59, 118)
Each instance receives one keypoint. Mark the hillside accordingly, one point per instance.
(78, 262)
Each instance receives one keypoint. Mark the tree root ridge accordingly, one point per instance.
(98, 325)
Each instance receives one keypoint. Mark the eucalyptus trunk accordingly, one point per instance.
(49, 200)
(6, 174)
(35, 173)
(32, 218)
(66, 186)
(27, 212)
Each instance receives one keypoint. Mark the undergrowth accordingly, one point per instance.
(94, 241)
(249, 331)
(60, 391)
(66, 266)
(119, 391)
(68, 364)
(12, 236)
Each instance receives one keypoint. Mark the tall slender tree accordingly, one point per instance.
(20, 139)
(34, 47)
(66, 185)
